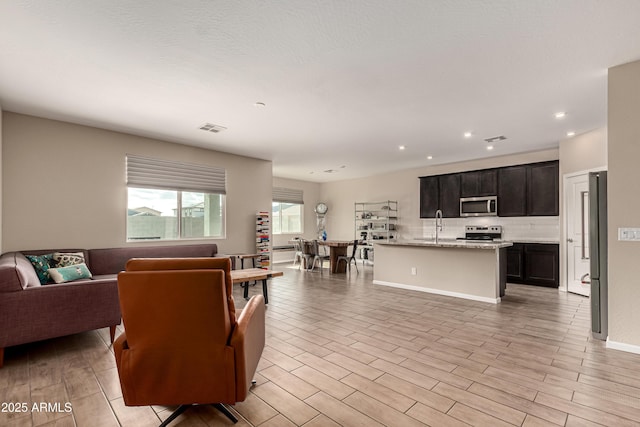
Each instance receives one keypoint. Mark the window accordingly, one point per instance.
(287, 218)
(169, 200)
(287, 207)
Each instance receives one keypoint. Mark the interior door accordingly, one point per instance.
(577, 196)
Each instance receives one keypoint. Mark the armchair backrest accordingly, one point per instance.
(221, 263)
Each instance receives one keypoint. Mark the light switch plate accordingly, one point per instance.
(629, 234)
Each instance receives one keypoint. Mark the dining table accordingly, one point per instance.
(337, 248)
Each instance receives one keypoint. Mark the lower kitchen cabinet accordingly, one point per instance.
(534, 264)
(515, 263)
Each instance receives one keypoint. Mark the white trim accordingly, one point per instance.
(630, 348)
(437, 291)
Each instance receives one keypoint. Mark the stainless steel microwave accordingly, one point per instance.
(479, 206)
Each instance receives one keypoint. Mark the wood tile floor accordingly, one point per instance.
(342, 351)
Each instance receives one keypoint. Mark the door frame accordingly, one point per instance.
(564, 268)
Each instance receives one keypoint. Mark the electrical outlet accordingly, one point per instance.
(414, 271)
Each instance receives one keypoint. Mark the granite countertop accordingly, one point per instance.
(448, 243)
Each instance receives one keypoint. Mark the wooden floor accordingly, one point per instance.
(342, 351)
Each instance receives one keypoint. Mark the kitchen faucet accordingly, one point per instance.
(438, 223)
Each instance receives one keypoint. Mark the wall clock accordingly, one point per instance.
(321, 208)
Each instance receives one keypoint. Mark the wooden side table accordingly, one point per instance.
(254, 274)
(242, 257)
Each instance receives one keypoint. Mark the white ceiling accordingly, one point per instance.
(344, 82)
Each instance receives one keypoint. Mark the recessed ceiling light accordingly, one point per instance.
(259, 104)
(571, 133)
(429, 157)
(489, 147)
(468, 134)
(560, 115)
(401, 147)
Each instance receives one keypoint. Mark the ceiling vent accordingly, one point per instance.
(210, 127)
(496, 139)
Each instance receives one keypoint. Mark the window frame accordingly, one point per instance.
(179, 217)
(300, 205)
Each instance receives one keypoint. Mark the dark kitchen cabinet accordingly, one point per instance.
(515, 263)
(523, 190)
(449, 189)
(542, 264)
(534, 264)
(543, 189)
(479, 183)
(429, 196)
(512, 191)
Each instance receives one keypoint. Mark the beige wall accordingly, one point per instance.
(623, 203)
(403, 186)
(64, 185)
(584, 152)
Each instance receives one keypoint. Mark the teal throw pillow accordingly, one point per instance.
(70, 273)
(41, 265)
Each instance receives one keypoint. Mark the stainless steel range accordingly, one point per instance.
(482, 232)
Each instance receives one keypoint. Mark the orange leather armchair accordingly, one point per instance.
(182, 343)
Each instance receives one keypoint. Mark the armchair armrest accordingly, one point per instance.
(119, 345)
(247, 340)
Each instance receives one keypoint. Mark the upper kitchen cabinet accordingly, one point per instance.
(449, 188)
(529, 190)
(429, 196)
(479, 183)
(543, 189)
(440, 192)
(523, 190)
(512, 191)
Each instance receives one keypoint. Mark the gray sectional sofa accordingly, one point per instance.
(30, 311)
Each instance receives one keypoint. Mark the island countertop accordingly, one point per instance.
(448, 243)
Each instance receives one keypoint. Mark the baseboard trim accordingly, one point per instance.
(437, 291)
(629, 348)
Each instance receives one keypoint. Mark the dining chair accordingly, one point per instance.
(348, 259)
(317, 256)
(308, 253)
(299, 253)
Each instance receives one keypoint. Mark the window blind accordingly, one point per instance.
(166, 174)
(287, 195)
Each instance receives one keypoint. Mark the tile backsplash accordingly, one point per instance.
(528, 228)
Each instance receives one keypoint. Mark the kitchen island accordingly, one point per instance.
(459, 268)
